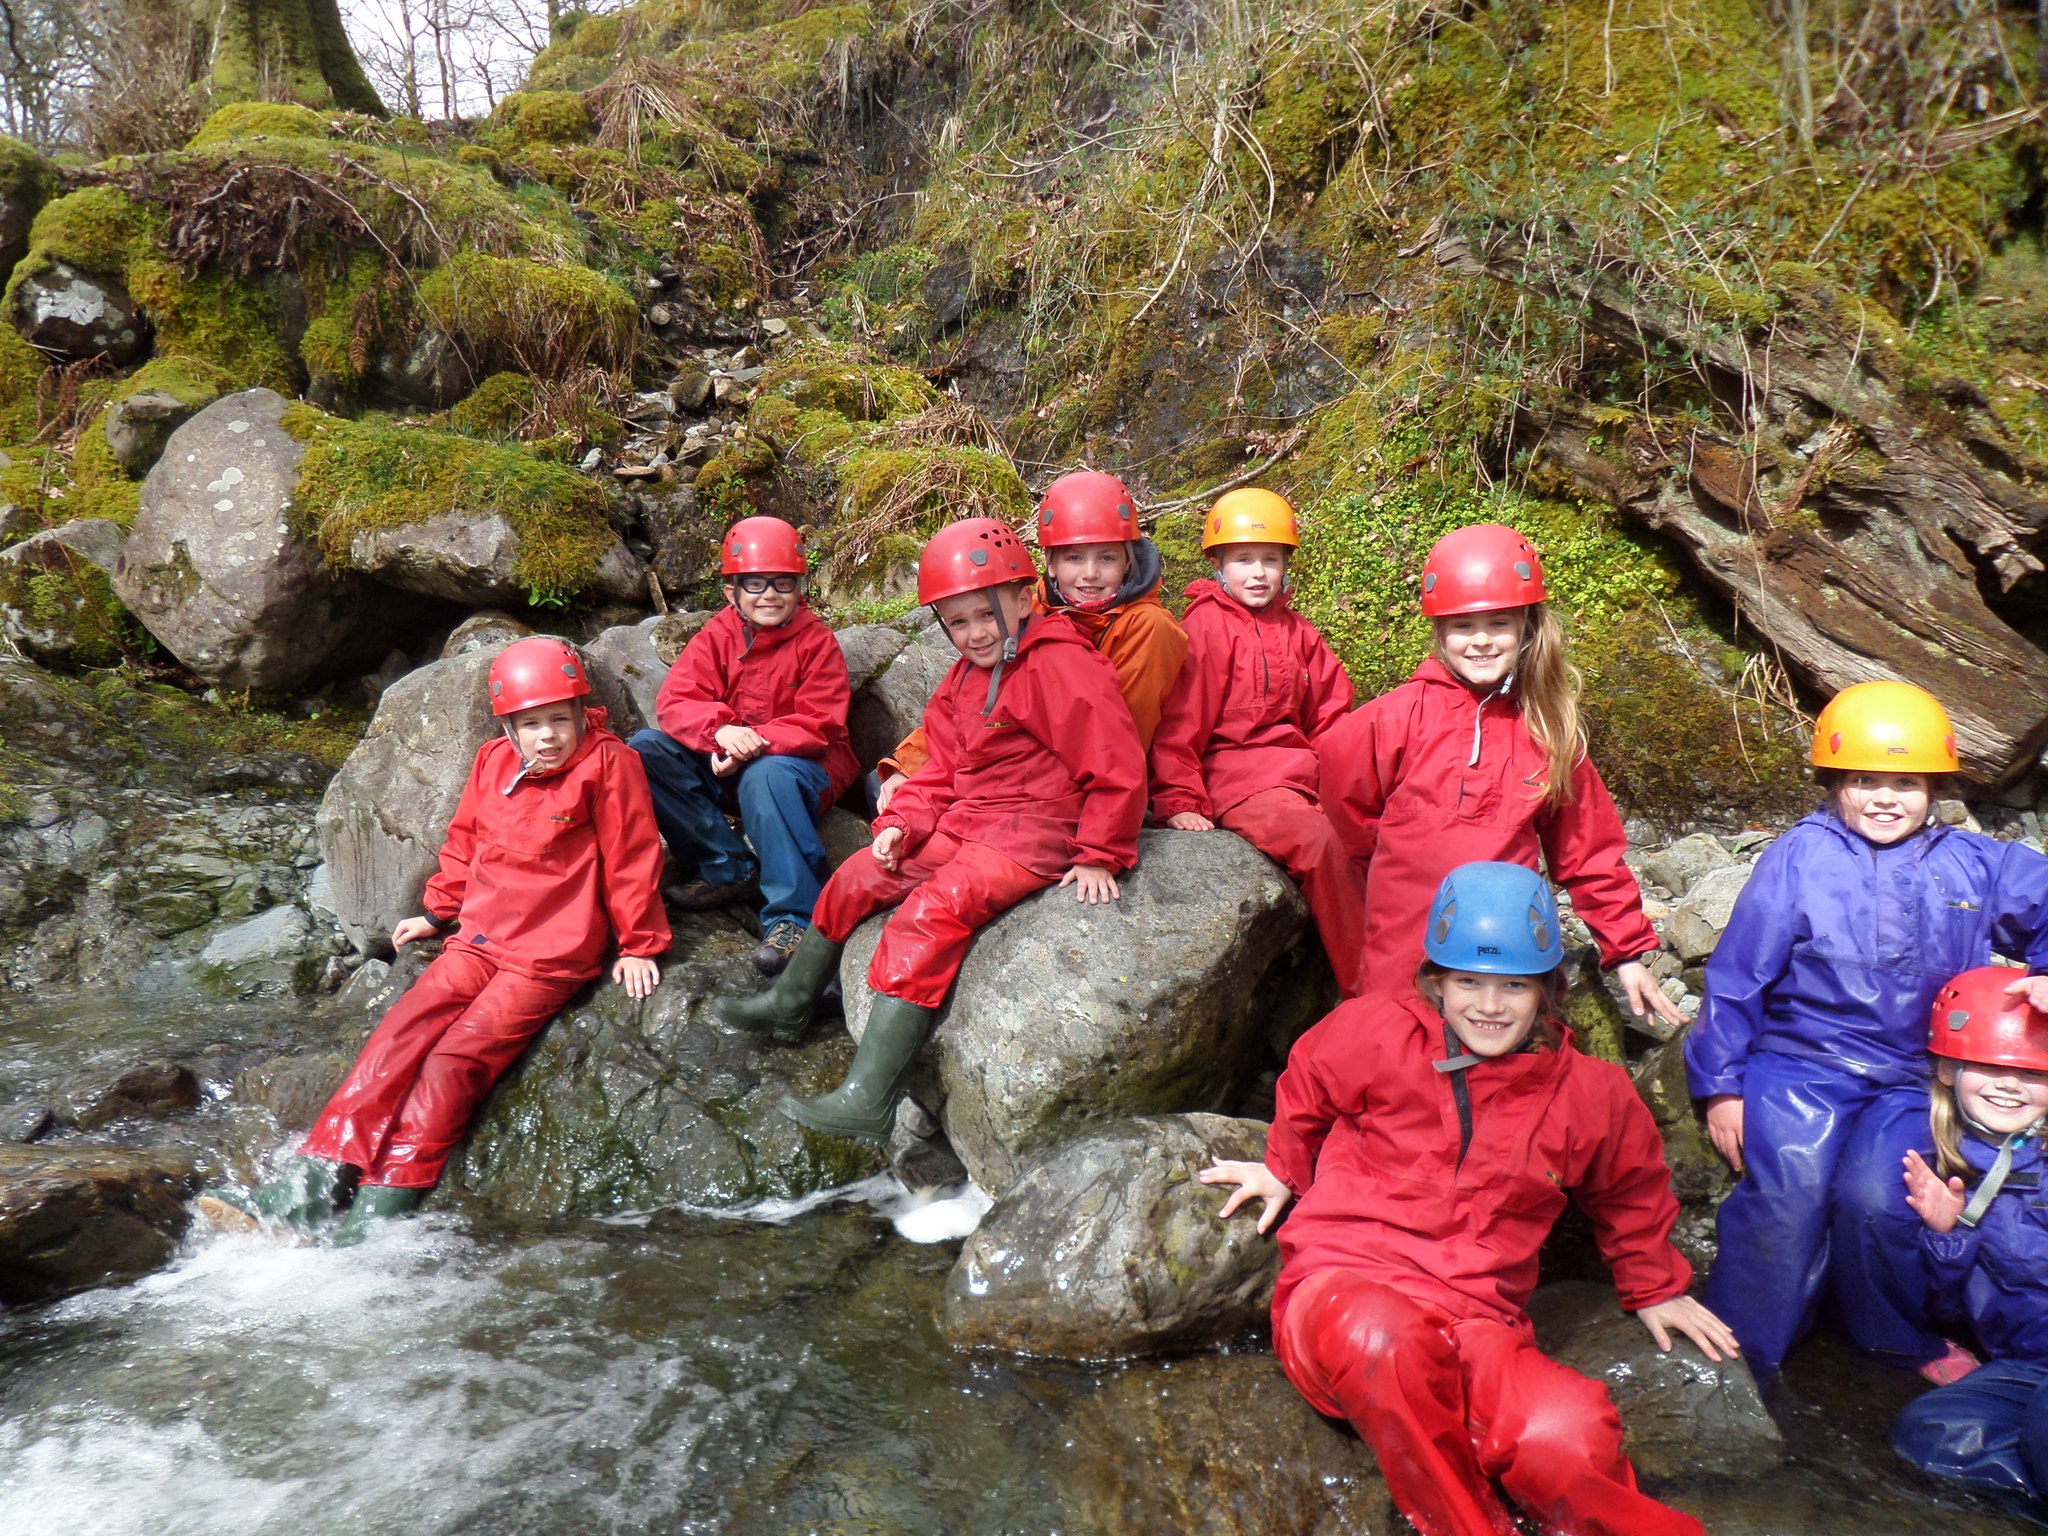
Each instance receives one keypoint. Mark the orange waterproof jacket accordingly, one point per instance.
(1260, 684)
(789, 683)
(542, 871)
(1367, 1134)
(1052, 776)
(1142, 640)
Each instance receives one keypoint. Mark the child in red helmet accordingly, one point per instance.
(1235, 744)
(552, 854)
(1430, 1138)
(1480, 755)
(1102, 573)
(753, 713)
(1984, 1241)
(1035, 778)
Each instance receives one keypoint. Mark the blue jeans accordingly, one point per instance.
(780, 807)
(1988, 1431)
(1822, 1207)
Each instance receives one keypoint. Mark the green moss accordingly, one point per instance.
(542, 117)
(376, 473)
(730, 479)
(848, 384)
(97, 229)
(496, 407)
(270, 119)
(69, 600)
(547, 320)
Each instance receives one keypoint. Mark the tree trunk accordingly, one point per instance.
(287, 50)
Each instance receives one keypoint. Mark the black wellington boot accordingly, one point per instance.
(784, 1010)
(864, 1106)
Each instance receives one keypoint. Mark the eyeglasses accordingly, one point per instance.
(755, 585)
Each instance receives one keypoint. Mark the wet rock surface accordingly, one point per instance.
(1111, 1247)
(152, 1091)
(1069, 1016)
(77, 1216)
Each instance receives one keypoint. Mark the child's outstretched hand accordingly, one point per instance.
(888, 848)
(1092, 884)
(2035, 990)
(1682, 1314)
(413, 928)
(1190, 821)
(1938, 1204)
(1645, 995)
(639, 976)
(1254, 1181)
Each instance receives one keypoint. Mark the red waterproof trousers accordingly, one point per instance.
(1290, 829)
(1449, 1404)
(426, 1068)
(947, 889)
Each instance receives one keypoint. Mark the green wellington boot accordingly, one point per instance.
(784, 1010)
(374, 1203)
(303, 1198)
(864, 1106)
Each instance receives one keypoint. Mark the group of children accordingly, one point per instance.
(1430, 1130)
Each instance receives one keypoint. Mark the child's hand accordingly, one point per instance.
(888, 848)
(887, 792)
(1939, 1205)
(637, 975)
(1714, 1337)
(2034, 989)
(723, 767)
(1724, 1127)
(1644, 993)
(741, 742)
(1190, 821)
(1254, 1181)
(414, 928)
(1092, 884)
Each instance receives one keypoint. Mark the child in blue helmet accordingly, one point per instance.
(1984, 1239)
(1432, 1137)
(1810, 1050)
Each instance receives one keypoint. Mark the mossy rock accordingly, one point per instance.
(541, 117)
(496, 407)
(860, 390)
(267, 119)
(546, 320)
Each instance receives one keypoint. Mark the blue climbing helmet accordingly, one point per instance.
(1496, 919)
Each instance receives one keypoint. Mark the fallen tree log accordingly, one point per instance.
(1855, 526)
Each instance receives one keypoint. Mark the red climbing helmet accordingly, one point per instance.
(966, 556)
(761, 545)
(1975, 1019)
(535, 671)
(1086, 507)
(1479, 569)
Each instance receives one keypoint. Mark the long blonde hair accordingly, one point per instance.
(1548, 688)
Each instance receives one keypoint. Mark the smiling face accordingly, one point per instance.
(2004, 1100)
(970, 620)
(766, 609)
(1883, 807)
(546, 734)
(1088, 573)
(1481, 648)
(1254, 574)
(1489, 1015)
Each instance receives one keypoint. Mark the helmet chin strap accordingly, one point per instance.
(2001, 1167)
(995, 680)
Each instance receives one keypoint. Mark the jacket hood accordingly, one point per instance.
(757, 639)
(1826, 817)
(1147, 566)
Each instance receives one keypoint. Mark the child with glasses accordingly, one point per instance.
(752, 716)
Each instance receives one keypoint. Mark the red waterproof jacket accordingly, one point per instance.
(1258, 686)
(1366, 1133)
(1052, 777)
(542, 871)
(789, 683)
(1431, 776)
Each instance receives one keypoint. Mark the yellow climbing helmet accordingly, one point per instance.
(1885, 727)
(1250, 516)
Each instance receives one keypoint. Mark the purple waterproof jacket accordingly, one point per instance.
(1995, 1278)
(1836, 947)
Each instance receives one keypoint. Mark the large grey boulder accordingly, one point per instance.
(628, 649)
(1697, 923)
(76, 1216)
(625, 1105)
(892, 704)
(1677, 867)
(273, 954)
(1217, 1445)
(73, 314)
(216, 567)
(1685, 1415)
(1069, 1016)
(56, 601)
(1110, 1247)
(385, 813)
(471, 557)
(869, 649)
